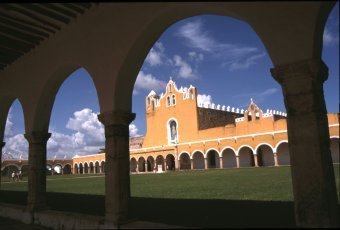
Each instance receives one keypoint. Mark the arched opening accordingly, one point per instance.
(8, 170)
(213, 159)
(67, 169)
(76, 169)
(160, 163)
(81, 168)
(24, 171)
(97, 167)
(282, 152)
(133, 165)
(265, 156)
(246, 157)
(335, 150)
(91, 168)
(172, 128)
(86, 168)
(229, 158)
(57, 169)
(185, 162)
(49, 170)
(141, 164)
(151, 163)
(198, 160)
(102, 165)
(170, 162)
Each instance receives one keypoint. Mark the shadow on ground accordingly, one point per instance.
(182, 212)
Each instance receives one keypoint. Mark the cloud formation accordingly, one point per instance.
(147, 82)
(203, 99)
(156, 55)
(88, 137)
(234, 56)
(185, 70)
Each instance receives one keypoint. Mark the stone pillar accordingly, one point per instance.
(36, 199)
(276, 160)
(191, 164)
(178, 164)
(2, 144)
(206, 163)
(117, 173)
(221, 163)
(146, 166)
(314, 189)
(256, 160)
(237, 161)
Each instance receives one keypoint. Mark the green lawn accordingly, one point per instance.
(228, 198)
(266, 184)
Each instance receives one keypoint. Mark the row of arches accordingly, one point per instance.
(57, 169)
(89, 168)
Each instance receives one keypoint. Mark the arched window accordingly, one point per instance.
(148, 100)
(173, 100)
(173, 131)
(169, 87)
(168, 100)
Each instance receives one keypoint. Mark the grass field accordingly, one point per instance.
(197, 198)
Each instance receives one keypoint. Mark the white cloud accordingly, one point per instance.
(148, 82)
(156, 55)
(245, 64)
(329, 38)
(197, 57)
(257, 96)
(9, 127)
(87, 139)
(234, 56)
(203, 99)
(185, 70)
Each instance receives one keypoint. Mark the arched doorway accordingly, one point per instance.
(8, 170)
(282, 152)
(49, 170)
(151, 163)
(141, 164)
(229, 158)
(265, 156)
(198, 160)
(160, 163)
(86, 168)
(102, 165)
(91, 168)
(185, 162)
(213, 159)
(76, 169)
(97, 167)
(246, 157)
(81, 168)
(133, 165)
(67, 169)
(170, 162)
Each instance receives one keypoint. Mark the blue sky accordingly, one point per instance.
(221, 56)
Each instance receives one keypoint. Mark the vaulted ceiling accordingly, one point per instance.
(23, 26)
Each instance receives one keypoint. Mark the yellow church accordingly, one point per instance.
(184, 135)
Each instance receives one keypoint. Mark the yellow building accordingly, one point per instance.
(182, 134)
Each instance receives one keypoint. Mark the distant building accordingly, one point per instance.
(182, 134)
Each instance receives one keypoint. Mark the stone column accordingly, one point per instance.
(206, 163)
(36, 199)
(178, 165)
(117, 173)
(237, 161)
(256, 160)
(276, 161)
(2, 144)
(146, 166)
(314, 189)
(221, 163)
(191, 164)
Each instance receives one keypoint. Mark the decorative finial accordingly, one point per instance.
(251, 100)
(170, 78)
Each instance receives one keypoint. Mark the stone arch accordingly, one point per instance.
(184, 161)
(198, 159)
(265, 155)
(150, 164)
(76, 168)
(246, 157)
(282, 151)
(60, 166)
(81, 168)
(102, 166)
(212, 156)
(86, 168)
(229, 157)
(133, 165)
(67, 169)
(49, 169)
(24, 170)
(170, 162)
(97, 168)
(141, 164)
(334, 146)
(160, 161)
(91, 167)
(8, 169)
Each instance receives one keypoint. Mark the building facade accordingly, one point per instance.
(185, 135)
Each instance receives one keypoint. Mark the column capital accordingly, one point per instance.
(311, 69)
(37, 137)
(117, 117)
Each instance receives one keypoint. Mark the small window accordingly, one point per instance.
(168, 101)
(169, 87)
(148, 100)
(173, 100)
